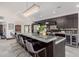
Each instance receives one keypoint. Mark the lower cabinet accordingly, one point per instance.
(54, 50)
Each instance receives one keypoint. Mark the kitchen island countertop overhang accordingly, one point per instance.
(45, 39)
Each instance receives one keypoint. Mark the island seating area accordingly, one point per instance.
(52, 46)
(39, 29)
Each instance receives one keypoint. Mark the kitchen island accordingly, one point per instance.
(55, 45)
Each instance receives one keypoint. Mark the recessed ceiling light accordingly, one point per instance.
(77, 5)
(54, 12)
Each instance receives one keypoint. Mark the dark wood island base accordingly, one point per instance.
(55, 47)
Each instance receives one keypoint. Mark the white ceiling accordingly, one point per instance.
(46, 8)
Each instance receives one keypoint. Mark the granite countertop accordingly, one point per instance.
(42, 38)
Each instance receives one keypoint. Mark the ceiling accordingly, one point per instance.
(47, 9)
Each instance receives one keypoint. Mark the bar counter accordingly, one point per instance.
(45, 39)
(55, 45)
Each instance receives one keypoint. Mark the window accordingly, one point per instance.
(26, 28)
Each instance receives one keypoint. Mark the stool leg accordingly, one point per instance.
(45, 53)
(35, 55)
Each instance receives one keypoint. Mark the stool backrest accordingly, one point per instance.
(21, 39)
(29, 46)
(16, 36)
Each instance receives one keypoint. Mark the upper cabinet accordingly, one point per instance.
(72, 21)
(68, 21)
(63, 22)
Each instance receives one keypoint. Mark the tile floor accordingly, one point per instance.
(10, 48)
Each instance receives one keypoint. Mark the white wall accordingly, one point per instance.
(26, 21)
(78, 26)
(11, 17)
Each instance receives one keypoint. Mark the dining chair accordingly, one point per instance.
(31, 49)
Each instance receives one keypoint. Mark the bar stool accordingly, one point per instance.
(16, 37)
(31, 49)
(22, 41)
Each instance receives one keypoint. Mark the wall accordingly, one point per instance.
(11, 17)
(78, 26)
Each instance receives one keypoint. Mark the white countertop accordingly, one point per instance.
(45, 39)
